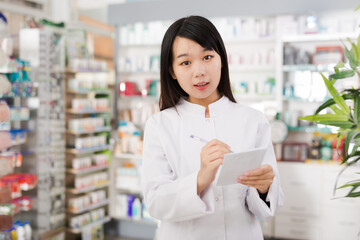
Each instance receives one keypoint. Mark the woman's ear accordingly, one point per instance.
(172, 73)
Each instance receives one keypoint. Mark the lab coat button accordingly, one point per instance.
(217, 199)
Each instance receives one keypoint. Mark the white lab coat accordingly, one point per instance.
(171, 161)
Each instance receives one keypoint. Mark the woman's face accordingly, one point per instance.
(197, 70)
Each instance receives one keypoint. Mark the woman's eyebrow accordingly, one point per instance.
(182, 55)
(185, 54)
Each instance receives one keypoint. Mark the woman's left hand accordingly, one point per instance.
(260, 178)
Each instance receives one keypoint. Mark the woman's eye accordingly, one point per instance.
(185, 63)
(207, 57)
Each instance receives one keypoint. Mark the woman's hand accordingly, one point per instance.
(260, 178)
(212, 156)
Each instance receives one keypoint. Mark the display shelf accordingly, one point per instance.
(73, 111)
(138, 72)
(251, 68)
(309, 129)
(88, 226)
(72, 71)
(85, 92)
(18, 143)
(87, 189)
(135, 191)
(89, 150)
(320, 37)
(141, 221)
(147, 45)
(91, 207)
(127, 156)
(309, 67)
(87, 170)
(302, 100)
(104, 129)
(251, 40)
(245, 97)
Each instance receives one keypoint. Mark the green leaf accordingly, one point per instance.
(355, 52)
(357, 108)
(348, 139)
(340, 124)
(343, 74)
(331, 101)
(357, 8)
(338, 66)
(338, 176)
(358, 44)
(336, 109)
(336, 96)
(354, 184)
(326, 117)
(350, 56)
(353, 194)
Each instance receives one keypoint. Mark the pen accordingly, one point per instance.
(201, 140)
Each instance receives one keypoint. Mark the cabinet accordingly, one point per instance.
(87, 148)
(310, 205)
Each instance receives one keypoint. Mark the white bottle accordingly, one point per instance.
(20, 232)
(136, 209)
(28, 230)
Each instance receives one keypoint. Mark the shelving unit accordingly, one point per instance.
(87, 135)
(45, 50)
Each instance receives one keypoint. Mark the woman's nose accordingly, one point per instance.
(199, 70)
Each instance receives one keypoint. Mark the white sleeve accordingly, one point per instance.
(166, 196)
(275, 195)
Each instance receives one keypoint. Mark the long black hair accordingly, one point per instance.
(202, 31)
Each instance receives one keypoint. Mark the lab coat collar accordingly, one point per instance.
(215, 108)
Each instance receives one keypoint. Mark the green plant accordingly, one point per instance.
(344, 108)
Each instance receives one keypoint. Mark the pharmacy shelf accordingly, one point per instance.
(252, 68)
(91, 207)
(87, 189)
(18, 143)
(135, 191)
(141, 221)
(71, 71)
(87, 170)
(98, 130)
(73, 111)
(139, 72)
(89, 226)
(254, 98)
(251, 40)
(127, 156)
(85, 151)
(309, 129)
(309, 67)
(85, 92)
(319, 37)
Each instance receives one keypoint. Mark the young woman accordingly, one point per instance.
(177, 171)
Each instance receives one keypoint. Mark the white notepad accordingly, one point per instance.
(236, 164)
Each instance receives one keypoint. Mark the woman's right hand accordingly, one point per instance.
(212, 156)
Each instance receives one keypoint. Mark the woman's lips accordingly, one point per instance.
(201, 85)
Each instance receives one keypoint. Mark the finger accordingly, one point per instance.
(218, 148)
(214, 156)
(258, 182)
(259, 171)
(215, 141)
(269, 175)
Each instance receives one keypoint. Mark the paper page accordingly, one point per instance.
(236, 164)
